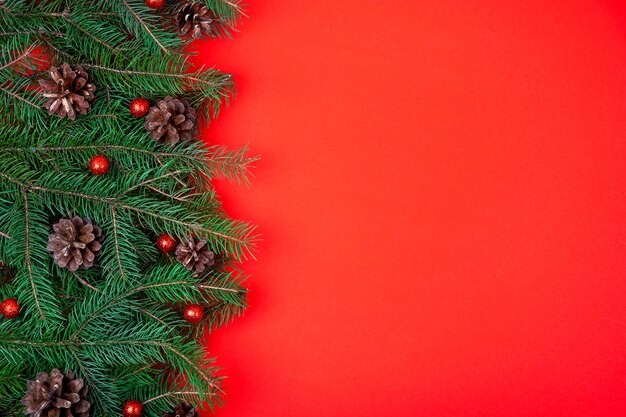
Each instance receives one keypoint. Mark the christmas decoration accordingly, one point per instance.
(76, 243)
(155, 4)
(139, 107)
(68, 91)
(198, 19)
(193, 313)
(194, 254)
(103, 306)
(10, 308)
(99, 165)
(56, 395)
(132, 408)
(171, 121)
(166, 243)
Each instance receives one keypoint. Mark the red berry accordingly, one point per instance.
(166, 243)
(155, 4)
(139, 107)
(10, 308)
(193, 313)
(99, 165)
(132, 408)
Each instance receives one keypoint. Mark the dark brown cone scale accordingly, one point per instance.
(171, 121)
(198, 19)
(56, 395)
(182, 410)
(68, 90)
(194, 254)
(75, 243)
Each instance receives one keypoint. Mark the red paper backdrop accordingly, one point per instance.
(442, 199)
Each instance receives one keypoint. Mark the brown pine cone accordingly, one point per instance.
(68, 91)
(198, 17)
(171, 120)
(76, 243)
(182, 410)
(56, 395)
(194, 254)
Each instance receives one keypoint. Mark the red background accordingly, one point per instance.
(442, 199)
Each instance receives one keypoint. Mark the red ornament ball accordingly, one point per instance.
(132, 408)
(193, 313)
(99, 165)
(139, 107)
(10, 308)
(155, 4)
(166, 243)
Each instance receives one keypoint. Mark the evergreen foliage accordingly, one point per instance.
(118, 325)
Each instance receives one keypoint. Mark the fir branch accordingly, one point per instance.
(85, 283)
(91, 35)
(174, 394)
(186, 77)
(120, 299)
(18, 97)
(193, 365)
(144, 25)
(151, 180)
(116, 244)
(147, 313)
(29, 266)
(215, 288)
(24, 55)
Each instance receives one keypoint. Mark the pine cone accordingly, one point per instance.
(198, 17)
(69, 91)
(194, 254)
(75, 243)
(56, 395)
(171, 120)
(182, 410)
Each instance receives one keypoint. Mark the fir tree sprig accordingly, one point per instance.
(118, 325)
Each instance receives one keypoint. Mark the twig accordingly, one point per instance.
(156, 74)
(210, 287)
(85, 283)
(147, 313)
(173, 394)
(163, 193)
(120, 298)
(117, 245)
(91, 35)
(140, 20)
(27, 251)
(103, 148)
(19, 97)
(19, 58)
(169, 174)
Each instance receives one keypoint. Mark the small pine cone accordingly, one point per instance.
(76, 243)
(171, 120)
(56, 395)
(182, 410)
(198, 17)
(194, 254)
(68, 91)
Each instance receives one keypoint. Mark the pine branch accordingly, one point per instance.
(27, 255)
(110, 323)
(144, 25)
